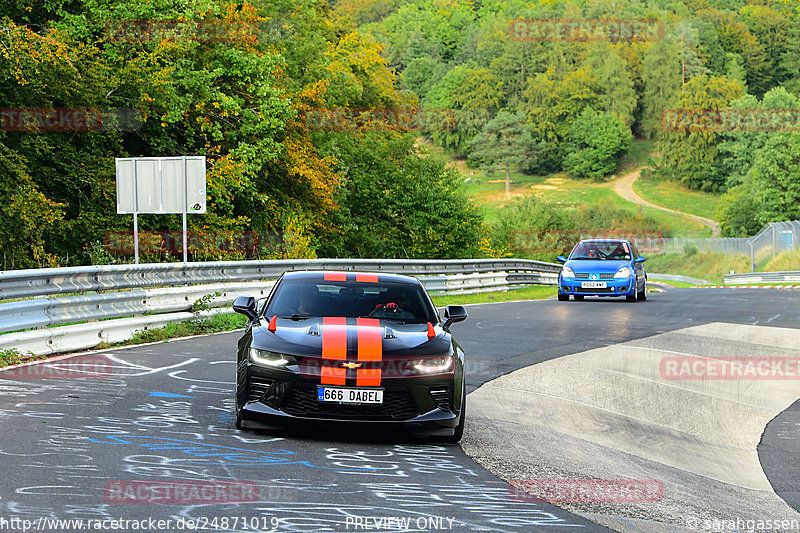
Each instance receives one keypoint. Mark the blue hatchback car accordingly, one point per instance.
(603, 267)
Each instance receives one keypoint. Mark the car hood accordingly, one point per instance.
(599, 266)
(385, 337)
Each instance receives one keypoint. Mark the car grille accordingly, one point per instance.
(606, 276)
(582, 275)
(258, 387)
(441, 397)
(595, 291)
(301, 400)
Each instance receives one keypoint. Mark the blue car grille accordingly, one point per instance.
(585, 275)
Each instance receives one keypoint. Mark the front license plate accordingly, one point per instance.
(593, 284)
(354, 396)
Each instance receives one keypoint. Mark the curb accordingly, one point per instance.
(747, 287)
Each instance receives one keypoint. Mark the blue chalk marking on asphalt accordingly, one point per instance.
(226, 455)
(168, 395)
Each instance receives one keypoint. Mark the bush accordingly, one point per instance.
(595, 144)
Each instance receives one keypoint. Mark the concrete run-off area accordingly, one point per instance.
(616, 412)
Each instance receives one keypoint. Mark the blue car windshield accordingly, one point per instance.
(607, 250)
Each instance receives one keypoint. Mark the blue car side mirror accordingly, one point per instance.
(640, 259)
(561, 259)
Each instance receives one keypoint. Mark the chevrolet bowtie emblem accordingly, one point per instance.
(351, 365)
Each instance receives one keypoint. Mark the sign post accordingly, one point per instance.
(161, 185)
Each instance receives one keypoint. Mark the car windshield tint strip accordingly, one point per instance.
(380, 300)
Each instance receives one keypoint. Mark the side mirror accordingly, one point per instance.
(640, 259)
(245, 305)
(561, 259)
(453, 314)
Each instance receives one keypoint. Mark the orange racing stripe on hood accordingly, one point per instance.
(370, 348)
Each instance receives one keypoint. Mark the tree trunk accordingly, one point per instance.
(508, 182)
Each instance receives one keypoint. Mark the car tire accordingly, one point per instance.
(563, 297)
(635, 296)
(643, 295)
(239, 420)
(458, 432)
(578, 297)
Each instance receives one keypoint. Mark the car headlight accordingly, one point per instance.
(263, 357)
(433, 365)
(567, 272)
(623, 272)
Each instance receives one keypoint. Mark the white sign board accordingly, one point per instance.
(155, 185)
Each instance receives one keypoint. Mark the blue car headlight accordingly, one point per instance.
(567, 272)
(623, 272)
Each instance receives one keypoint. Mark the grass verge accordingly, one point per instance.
(673, 195)
(213, 324)
(674, 284)
(788, 261)
(12, 356)
(711, 267)
(536, 292)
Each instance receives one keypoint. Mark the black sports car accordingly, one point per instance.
(350, 347)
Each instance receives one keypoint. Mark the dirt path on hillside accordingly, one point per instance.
(624, 187)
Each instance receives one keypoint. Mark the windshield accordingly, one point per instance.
(612, 250)
(400, 302)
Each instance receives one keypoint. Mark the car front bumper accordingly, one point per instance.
(614, 287)
(278, 399)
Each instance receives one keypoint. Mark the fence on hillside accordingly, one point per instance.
(773, 239)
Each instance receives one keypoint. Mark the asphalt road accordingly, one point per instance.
(98, 448)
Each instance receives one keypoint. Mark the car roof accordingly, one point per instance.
(350, 275)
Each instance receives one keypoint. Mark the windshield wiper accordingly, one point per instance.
(295, 316)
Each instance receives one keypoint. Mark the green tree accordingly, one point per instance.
(661, 75)
(738, 212)
(505, 143)
(689, 151)
(553, 102)
(399, 203)
(776, 178)
(474, 95)
(738, 150)
(617, 95)
(595, 143)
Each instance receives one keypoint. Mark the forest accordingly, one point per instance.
(311, 116)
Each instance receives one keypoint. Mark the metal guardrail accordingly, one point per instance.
(50, 281)
(77, 308)
(761, 277)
